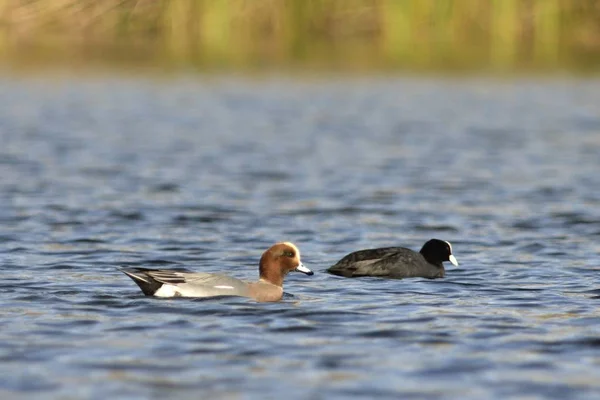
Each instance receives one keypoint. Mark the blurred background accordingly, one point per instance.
(349, 35)
(195, 134)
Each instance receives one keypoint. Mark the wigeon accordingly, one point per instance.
(397, 262)
(274, 265)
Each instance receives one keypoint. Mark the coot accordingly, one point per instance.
(397, 262)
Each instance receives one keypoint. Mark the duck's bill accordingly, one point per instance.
(303, 269)
(453, 260)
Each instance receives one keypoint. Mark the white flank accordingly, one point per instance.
(223, 287)
(166, 291)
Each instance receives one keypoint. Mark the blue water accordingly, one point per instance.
(98, 171)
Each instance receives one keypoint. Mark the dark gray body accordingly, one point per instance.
(388, 262)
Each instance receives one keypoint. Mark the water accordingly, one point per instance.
(101, 171)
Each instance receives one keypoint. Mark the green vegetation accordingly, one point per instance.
(502, 35)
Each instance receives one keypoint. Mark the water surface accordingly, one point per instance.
(101, 171)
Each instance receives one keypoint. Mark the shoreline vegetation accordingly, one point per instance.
(439, 35)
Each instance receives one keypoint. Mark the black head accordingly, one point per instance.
(437, 251)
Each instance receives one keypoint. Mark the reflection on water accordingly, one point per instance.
(205, 174)
(507, 35)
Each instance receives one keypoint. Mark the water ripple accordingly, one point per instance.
(100, 172)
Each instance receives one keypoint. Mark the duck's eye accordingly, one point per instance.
(288, 254)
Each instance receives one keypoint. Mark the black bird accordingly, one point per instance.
(397, 262)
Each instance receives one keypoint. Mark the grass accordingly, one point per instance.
(417, 34)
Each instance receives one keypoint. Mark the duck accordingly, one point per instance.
(274, 265)
(397, 262)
